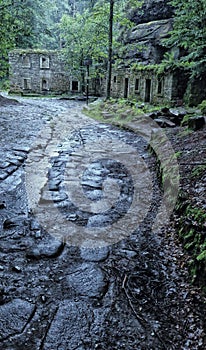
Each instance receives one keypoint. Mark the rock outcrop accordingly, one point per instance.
(151, 10)
(144, 42)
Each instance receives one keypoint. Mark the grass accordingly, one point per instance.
(119, 111)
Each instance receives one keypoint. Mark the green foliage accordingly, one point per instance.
(25, 24)
(192, 233)
(7, 35)
(202, 107)
(189, 36)
(4, 84)
(85, 35)
(186, 118)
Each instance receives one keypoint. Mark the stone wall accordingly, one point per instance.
(37, 72)
(144, 86)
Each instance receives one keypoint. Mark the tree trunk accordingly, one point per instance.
(109, 67)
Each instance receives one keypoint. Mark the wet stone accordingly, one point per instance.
(46, 197)
(11, 169)
(60, 197)
(54, 185)
(99, 220)
(17, 269)
(14, 317)
(70, 326)
(94, 254)
(34, 225)
(3, 176)
(50, 248)
(13, 222)
(20, 155)
(2, 205)
(87, 280)
(4, 165)
(15, 162)
(20, 148)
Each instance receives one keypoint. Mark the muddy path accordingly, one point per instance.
(81, 265)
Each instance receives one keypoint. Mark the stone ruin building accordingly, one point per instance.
(40, 72)
(45, 72)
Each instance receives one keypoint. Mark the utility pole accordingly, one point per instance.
(110, 49)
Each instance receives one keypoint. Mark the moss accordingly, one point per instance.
(33, 51)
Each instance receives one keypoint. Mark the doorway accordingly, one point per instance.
(148, 90)
(126, 87)
(75, 85)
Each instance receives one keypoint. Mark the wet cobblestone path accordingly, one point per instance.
(95, 276)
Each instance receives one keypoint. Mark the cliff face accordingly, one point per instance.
(152, 10)
(144, 43)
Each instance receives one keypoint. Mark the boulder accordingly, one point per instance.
(196, 123)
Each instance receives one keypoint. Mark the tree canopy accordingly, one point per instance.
(189, 34)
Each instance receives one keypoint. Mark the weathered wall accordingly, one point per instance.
(37, 72)
(144, 86)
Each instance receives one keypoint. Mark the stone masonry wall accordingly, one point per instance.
(37, 72)
(144, 86)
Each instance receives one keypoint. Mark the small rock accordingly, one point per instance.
(128, 253)
(2, 296)
(9, 223)
(154, 115)
(43, 298)
(38, 234)
(34, 225)
(107, 115)
(59, 197)
(164, 123)
(2, 205)
(24, 149)
(14, 317)
(3, 176)
(11, 169)
(47, 249)
(17, 269)
(4, 165)
(87, 280)
(15, 162)
(94, 254)
(54, 185)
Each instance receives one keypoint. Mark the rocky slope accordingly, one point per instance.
(144, 42)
